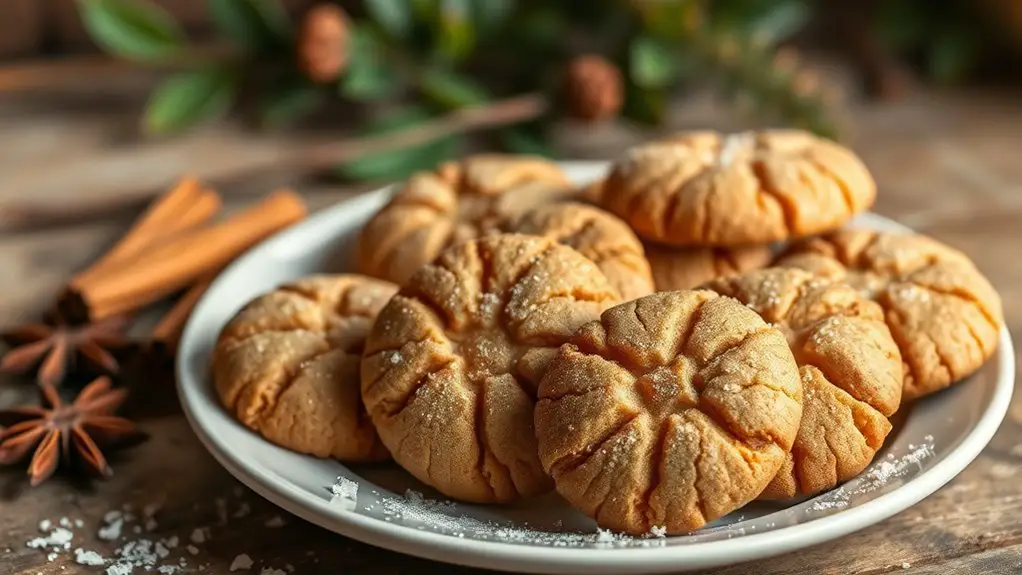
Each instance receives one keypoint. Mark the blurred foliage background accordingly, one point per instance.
(589, 60)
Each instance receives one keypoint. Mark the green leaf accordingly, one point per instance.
(520, 140)
(368, 76)
(673, 19)
(256, 24)
(393, 16)
(456, 35)
(951, 56)
(779, 23)
(400, 163)
(489, 15)
(134, 29)
(652, 62)
(290, 103)
(646, 106)
(450, 90)
(188, 98)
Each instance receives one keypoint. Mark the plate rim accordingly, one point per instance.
(542, 559)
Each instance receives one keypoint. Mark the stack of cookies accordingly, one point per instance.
(511, 334)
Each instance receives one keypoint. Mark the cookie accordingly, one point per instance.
(287, 365)
(668, 412)
(944, 315)
(677, 268)
(449, 370)
(458, 202)
(599, 236)
(704, 188)
(850, 369)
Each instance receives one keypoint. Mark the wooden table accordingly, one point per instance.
(947, 164)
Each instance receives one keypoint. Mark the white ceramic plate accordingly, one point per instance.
(382, 505)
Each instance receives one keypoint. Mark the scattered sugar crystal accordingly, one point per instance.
(161, 551)
(45, 525)
(241, 562)
(79, 523)
(275, 521)
(192, 549)
(112, 529)
(65, 522)
(604, 536)
(151, 509)
(120, 569)
(658, 531)
(272, 571)
(172, 541)
(83, 557)
(344, 492)
(243, 510)
(112, 516)
(198, 536)
(58, 538)
(150, 524)
(906, 565)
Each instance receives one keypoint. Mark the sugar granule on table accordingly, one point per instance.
(83, 557)
(241, 562)
(275, 521)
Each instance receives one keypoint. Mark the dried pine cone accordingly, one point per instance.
(594, 89)
(323, 43)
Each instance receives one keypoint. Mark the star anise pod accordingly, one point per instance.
(54, 348)
(58, 431)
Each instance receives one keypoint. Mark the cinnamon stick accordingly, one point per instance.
(163, 269)
(167, 333)
(183, 207)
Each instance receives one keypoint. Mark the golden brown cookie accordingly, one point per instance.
(599, 236)
(447, 368)
(677, 268)
(458, 202)
(287, 365)
(944, 315)
(850, 368)
(670, 411)
(704, 188)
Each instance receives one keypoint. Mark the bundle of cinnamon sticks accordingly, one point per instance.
(173, 248)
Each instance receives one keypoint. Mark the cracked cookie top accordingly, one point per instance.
(599, 236)
(458, 201)
(676, 268)
(670, 411)
(704, 188)
(449, 369)
(850, 369)
(287, 365)
(944, 315)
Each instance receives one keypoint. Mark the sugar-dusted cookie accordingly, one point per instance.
(287, 365)
(459, 201)
(944, 315)
(599, 236)
(850, 368)
(704, 188)
(676, 268)
(448, 376)
(669, 411)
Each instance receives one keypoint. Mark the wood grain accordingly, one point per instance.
(946, 163)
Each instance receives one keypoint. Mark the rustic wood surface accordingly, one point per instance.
(947, 164)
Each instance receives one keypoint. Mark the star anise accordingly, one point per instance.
(58, 431)
(54, 348)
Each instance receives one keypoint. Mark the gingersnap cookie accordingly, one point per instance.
(449, 371)
(670, 411)
(287, 365)
(704, 188)
(677, 268)
(459, 201)
(599, 236)
(944, 315)
(850, 368)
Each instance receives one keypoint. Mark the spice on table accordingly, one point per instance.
(172, 265)
(184, 207)
(54, 348)
(60, 431)
(167, 333)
